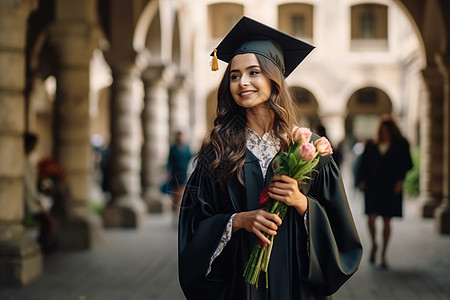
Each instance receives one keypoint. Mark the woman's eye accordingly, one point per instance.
(254, 72)
(234, 77)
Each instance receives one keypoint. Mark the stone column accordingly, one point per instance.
(179, 109)
(74, 41)
(126, 208)
(431, 171)
(20, 257)
(442, 213)
(155, 123)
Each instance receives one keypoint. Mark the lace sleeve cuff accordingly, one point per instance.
(305, 222)
(226, 237)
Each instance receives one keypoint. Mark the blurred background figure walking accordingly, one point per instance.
(37, 202)
(383, 166)
(179, 158)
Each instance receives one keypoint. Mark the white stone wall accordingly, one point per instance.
(332, 73)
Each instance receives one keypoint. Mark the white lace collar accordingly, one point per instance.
(264, 148)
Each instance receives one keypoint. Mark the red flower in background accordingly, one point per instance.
(49, 169)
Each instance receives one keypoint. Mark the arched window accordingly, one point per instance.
(306, 106)
(363, 111)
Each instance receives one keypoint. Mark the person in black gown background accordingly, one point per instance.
(383, 166)
(317, 247)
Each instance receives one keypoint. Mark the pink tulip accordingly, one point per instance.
(301, 135)
(323, 146)
(307, 151)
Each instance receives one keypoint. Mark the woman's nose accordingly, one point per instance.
(244, 80)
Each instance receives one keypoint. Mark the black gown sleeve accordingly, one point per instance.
(334, 247)
(363, 168)
(404, 161)
(202, 224)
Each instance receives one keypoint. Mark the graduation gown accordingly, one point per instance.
(303, 265)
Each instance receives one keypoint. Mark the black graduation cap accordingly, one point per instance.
(250, 36)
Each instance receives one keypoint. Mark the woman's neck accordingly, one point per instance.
(260, 119)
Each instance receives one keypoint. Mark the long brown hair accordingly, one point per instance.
(223, 150)
(396, 136)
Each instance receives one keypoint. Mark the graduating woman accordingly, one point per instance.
(317, 247)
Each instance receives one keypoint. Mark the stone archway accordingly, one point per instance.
(211, 107)
(363, 110)
(307, 108)
(40, 93)
(431, 22)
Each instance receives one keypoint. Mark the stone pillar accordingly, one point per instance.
(73, 36)
(155, 123)
(20, 257)
(431, 170)
(126, 208)
(442, 213)
(179, 109)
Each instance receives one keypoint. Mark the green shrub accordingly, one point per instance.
(97, 207)
(30, 222)
(411, 184)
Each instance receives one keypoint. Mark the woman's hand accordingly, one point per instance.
(398, 187)
(362, 185)
(285, 189)
(257, 221)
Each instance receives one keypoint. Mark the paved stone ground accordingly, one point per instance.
(127, 264)
(141, 264)
(418, 259)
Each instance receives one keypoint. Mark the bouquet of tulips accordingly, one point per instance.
(298, 163)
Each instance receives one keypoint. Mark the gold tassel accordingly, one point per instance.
(215, 62)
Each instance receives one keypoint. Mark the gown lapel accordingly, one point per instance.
(254, 184)
(254, 181)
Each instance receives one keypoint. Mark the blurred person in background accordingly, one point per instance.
(37, 204)
(383, 166)
(178, 162)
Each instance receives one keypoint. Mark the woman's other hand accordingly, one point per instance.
(285, 189)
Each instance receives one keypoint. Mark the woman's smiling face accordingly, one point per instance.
(249, 86)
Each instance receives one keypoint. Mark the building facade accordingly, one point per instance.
(367, 65)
